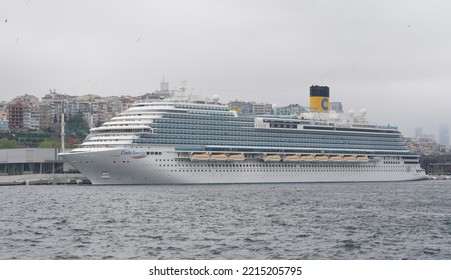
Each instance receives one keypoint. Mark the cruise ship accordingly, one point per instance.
(181, 141)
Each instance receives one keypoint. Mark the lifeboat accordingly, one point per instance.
(306, 158)
(236, 157)
(349, 158)
(291, 158)
(199, 157)
(321, 157)
(335, 158)
(218, 157)
(271, 158)
(362, 158)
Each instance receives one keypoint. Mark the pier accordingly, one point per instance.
(36, 166)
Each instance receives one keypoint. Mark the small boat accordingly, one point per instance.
(291, 158)
(219, 157)
(306, 158)
(236, 157)
(199, 156)
(271, 158)
(321, 157)
(349, 158)
(335, 158)
(362, 158)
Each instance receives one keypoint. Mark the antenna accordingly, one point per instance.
(63, 132)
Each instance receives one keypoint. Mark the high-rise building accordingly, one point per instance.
(4, 125)
(31, 117)
(45, 116)
(261, 108)
(15, 115)
(4, 122)
(418, 132)
(443, 135)
(164, 86)
(23, 113)
(250, 107)
(336, 106)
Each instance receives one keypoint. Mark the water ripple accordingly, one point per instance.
(409, 220)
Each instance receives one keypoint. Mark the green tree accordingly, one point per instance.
(77, 127)
(50, 144)
(8, 144)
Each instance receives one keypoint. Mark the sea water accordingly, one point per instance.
(406, 220)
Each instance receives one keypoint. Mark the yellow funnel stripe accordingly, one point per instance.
(319, 104)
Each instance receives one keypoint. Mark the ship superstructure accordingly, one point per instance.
(186, 142)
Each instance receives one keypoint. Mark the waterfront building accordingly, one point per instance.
(3, 105)
(31, 117)
(73, 106)
(292, 109)
(4, 125)
(261, 109)
(45, 116)
(23, 113)
(337, 107)
(440, 168)
(240, 106)
(30, 161)
(252, 107)
(444, 135)
(36, 166)
(53, 95)
(418, 132)
(15, 115)
(161, 94)
(4, 122)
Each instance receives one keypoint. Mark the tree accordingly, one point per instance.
(77, 126)
(8, 144)
(50, 144)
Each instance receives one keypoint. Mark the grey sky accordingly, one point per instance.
(391, 57)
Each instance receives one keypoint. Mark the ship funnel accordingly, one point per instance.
(319, 99)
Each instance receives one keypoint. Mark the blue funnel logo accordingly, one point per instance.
(325, 104)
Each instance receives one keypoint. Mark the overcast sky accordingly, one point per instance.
(391, 57)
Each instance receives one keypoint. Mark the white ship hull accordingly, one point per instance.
(137, 166)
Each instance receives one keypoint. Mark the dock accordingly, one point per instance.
(36, 166)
